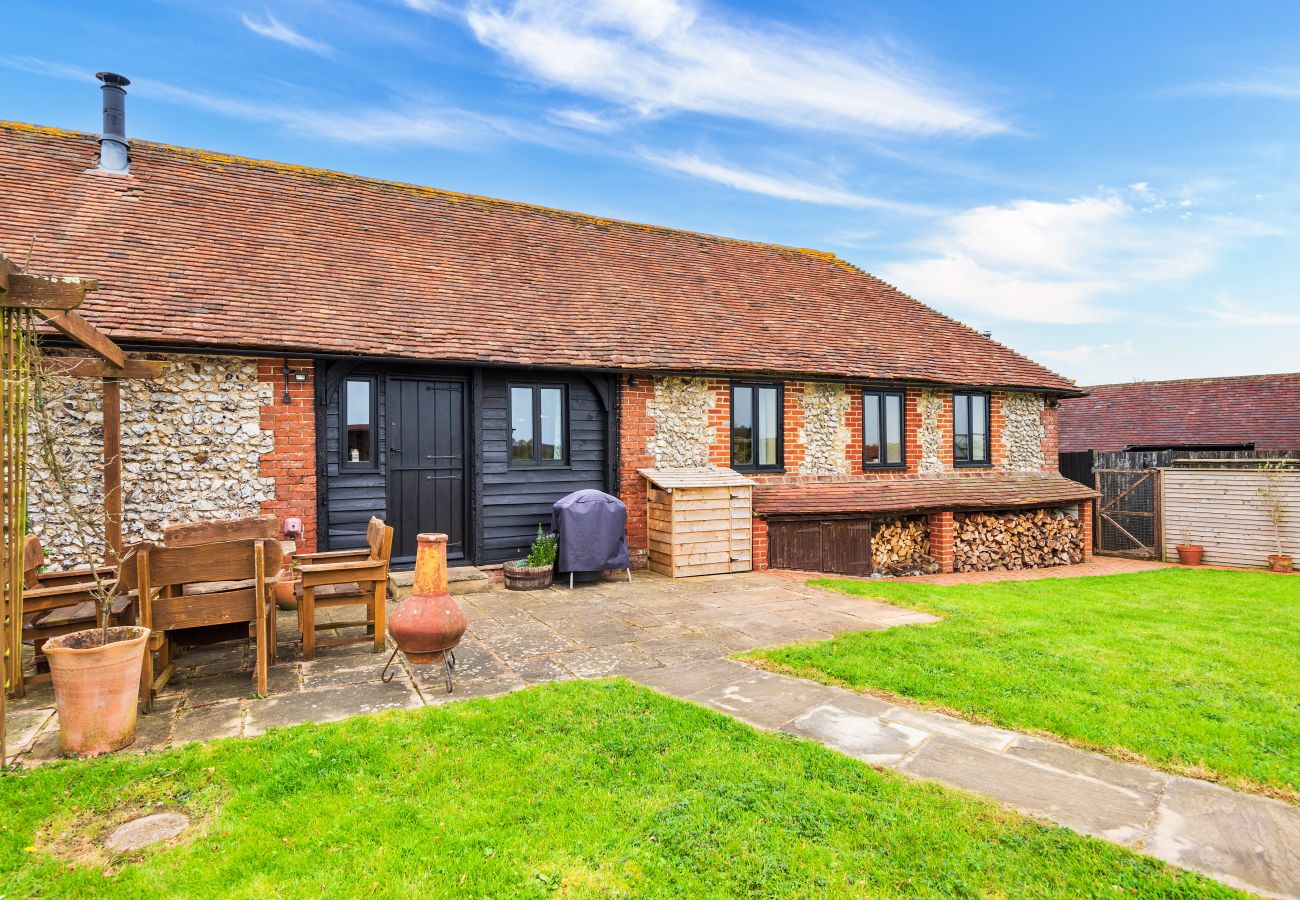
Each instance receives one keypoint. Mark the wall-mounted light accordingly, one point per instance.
(631, 381)
(299, 376)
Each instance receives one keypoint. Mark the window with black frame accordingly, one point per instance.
(756, 424)
(359, 423)
(970, 429)
(882, 430)
(538, 426)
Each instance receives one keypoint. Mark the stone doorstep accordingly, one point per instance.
(461, 580)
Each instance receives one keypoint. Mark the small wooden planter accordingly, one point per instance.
(700, 521)
(527, 578)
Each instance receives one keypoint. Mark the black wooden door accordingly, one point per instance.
(426, 462)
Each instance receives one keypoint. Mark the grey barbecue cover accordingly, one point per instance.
(592, 527)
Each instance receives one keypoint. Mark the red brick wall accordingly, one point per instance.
(1085, 525)
(941, 540)
(634, 432)
(293, 461)
(1051, 420)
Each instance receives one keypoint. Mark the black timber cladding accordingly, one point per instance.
(503, 505)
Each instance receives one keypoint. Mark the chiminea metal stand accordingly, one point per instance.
(428, 625)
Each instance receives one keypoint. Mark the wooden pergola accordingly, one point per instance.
(26, 300)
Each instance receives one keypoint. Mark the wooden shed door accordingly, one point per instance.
(426, 462)
(838, 546)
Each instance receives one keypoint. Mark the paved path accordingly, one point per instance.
(674, 636)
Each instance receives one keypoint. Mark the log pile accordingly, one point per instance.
(901, 546)
(1032, 539)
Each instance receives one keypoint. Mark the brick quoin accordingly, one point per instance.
(635, 428)
(292, 462)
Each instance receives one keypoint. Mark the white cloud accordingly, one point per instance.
(782, 186)
(1082, 355)
(1235, 315)
(414, 125)
(1269, 84)
(1038, 261)
(584, 120)
(657, 57)
(277, 31)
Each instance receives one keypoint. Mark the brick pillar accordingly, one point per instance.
(635, 428)
(941, 534)
(1085, 526)
(759, 544)
(292, 463)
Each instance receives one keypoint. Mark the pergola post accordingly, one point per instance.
(53, 300)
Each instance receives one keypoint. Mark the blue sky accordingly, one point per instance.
(1110, 188)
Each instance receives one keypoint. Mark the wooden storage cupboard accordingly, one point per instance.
(700, 521)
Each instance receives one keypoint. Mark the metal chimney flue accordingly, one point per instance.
(114, 151)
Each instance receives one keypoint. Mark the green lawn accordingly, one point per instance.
(1196, 671)
(577, 789)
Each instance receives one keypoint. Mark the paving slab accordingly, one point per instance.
(685, 680)
(600, 633)
(1094, 765)
(208, 723)
(1080, 802)
(514, 642)
(986, 736)
(1246, 841)
(674, 651)
(601, 662)
(865, 737)
(330, 705)
(541, 669)
(764, 699)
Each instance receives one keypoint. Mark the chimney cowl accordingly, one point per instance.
(114, 149)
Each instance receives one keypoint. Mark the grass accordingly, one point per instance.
(577, 789)
(1196, 672)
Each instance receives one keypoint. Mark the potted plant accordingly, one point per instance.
(1189, 554)
(96, 675)
(535, 572)
(1271, 502)
(286, 587)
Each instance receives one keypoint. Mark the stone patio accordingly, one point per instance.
(674, 636)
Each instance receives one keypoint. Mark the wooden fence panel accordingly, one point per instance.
(1220, 509)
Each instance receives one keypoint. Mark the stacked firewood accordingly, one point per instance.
(902, 547)
(1016, 540)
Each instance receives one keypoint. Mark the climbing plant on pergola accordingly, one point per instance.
(28, 302)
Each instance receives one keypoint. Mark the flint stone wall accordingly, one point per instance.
(825, 433)
(1022, 433)
(192, 442)
(680, 410)
(930, 432)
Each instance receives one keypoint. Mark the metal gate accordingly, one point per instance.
(1128, 513)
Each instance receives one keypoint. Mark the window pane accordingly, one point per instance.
(552, 424)
(871, 428)
(742, 426)
(521, 423)
(767, 425)
(360, 427)
(961, 445)
(893, 429)
(979, 427)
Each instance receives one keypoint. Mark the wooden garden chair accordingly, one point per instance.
(346, 578)
(58, 603)
(240, 573)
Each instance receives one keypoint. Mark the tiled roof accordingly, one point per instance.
(923, 494)
(1259, 409)
(202, 248)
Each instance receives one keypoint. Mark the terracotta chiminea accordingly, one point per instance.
(428, 625)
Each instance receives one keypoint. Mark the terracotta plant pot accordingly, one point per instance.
(527, 578)
(1190, 554)
(97, 687)
(1280, 564)
(286, 593)
(428, 623)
